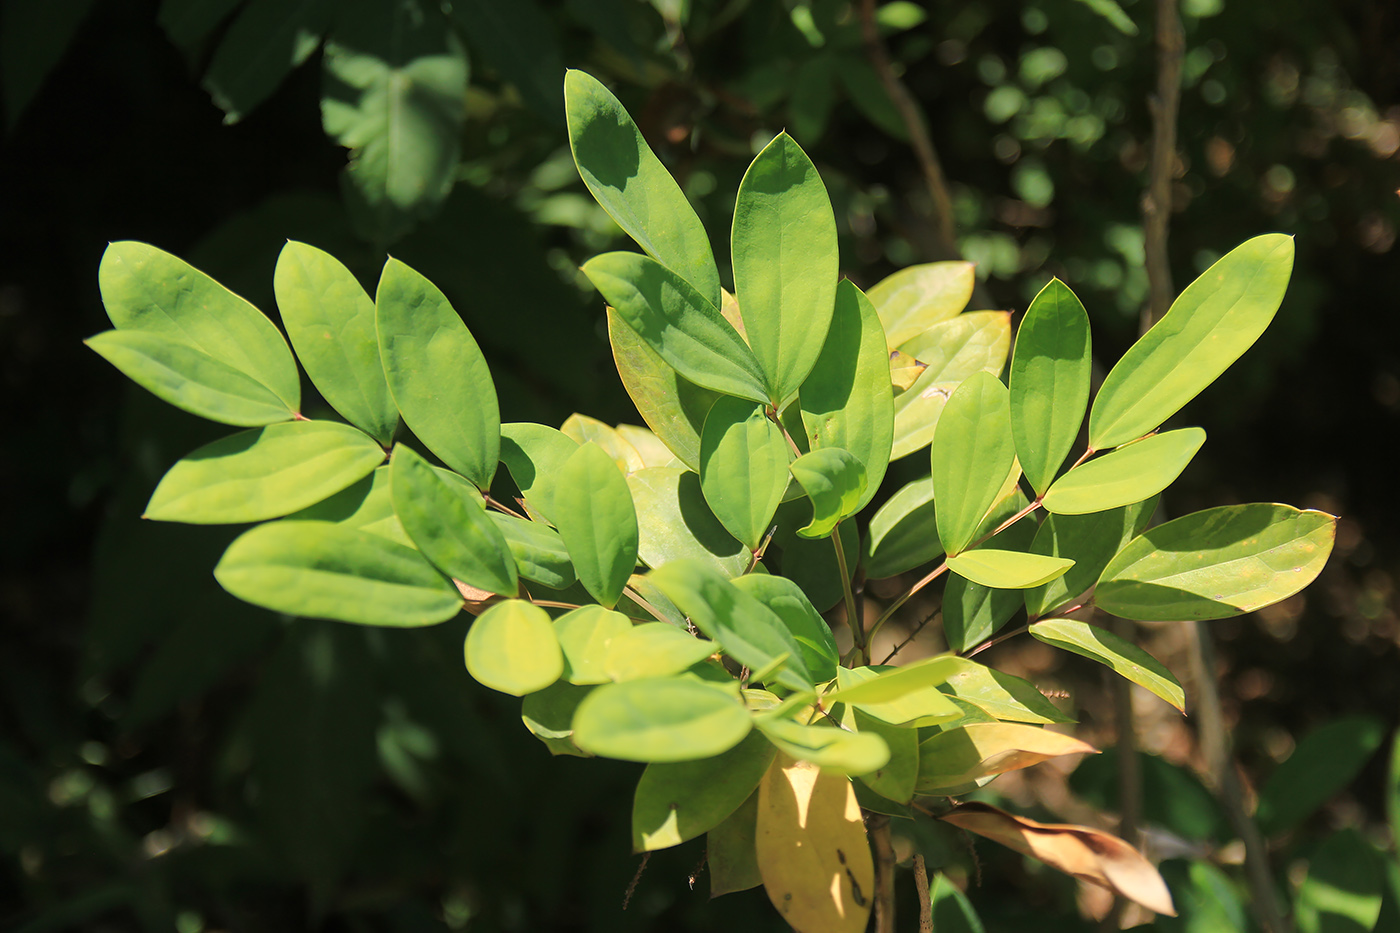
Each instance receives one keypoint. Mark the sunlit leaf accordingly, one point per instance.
(1003, 695)
(436, 374)
(972, 454)
(675, 522)
(1087, 854)
(539, 552)
(594, 514)
(958, 760)
(971, 611)
(649, 447)
(787, 601)
(835, 481)
(894, 780)
(826, 746)
(366, 505)
(1091, 541)
(534, 454)
(264, 473)
(1215, 320)
(1217, 563)
(812, 850)
(1126, 658)
(679, 801)
(743, 468)
(916, 298)
(1049, 382)
(654, 649)
(328, 571)
(660, 719)
(1012, 570)
(631, 184)
(1124, 476)
(952, 351)
(511, 648)
(585, 635)
(585, 430)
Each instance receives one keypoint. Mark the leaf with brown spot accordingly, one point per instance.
(812, 850)
(1087, 854)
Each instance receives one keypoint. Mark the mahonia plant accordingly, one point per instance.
(658, 595)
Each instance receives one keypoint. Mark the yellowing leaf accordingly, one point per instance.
(956, 761)
(1085, 853)
(812, 850)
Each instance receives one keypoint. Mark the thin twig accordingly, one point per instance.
(631, 888)
(502, 507)
(879, 831)
(925, 903)
(993, 642)
(917, 629)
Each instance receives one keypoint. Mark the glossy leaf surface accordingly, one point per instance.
(448, 522)
(846, 401)
(835, 481)
(952, 351)
(1091, 541)
(679, 801)
(631, 184)
(972, 611)
(594, 514)
(264, 473)
(1209, 326)
(909, 700)
(916, 298)
(511, 648)
(1126, 658)
(972, 454)
(675, 522)
(1124, 476)
(331, 323)
(812, 849)
(328, 571)
(148, 289)
(660, 719)
(189, 378)
(743, 468)
(1007, 570)
(436, 374)
(787, 601)
(677, 322)
(785, 263)
(1217, 563)
(585, 430)
(1049, 382)
(826, 746)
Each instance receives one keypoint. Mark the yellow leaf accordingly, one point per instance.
(1087, 854)
(812, 850)
(958, 760)
(905, 370)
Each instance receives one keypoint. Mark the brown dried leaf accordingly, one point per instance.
(1087, 854)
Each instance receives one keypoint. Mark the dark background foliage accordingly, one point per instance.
(171, 758)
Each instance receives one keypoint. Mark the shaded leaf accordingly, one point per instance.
(538, 551)
(265, 41)
(1126, 658)
(1091, 541)
(812, 850)
(594, 513)
(787, 601)
(1343, 889)
(1007, 697)
(1087, 854)
(835, 481)
(679, 801)
(511, 647)
(323, 570)
(549, 715)
(952, 912)
(972, 612)
(894, 780)
(367, 505)
(1217, 563)
(743, 468)
(674, 522)
(1173, 797)
(1326, 760)
(903, 531)
(811, 563)
(534, 454)
(264, 473)
(660, 719)
(520, 42)
(730, 850)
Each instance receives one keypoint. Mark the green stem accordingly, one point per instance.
(856, 624)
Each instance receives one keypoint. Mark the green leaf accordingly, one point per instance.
(366, 506)
(1111, 11)
(1008, 570)
(190, 379)
(660, 719)
(679, 801)
(449, 524)
(787, 601)
(1090, 541)
(585, 635)
(549, 715)
(520, 41)
(951, 351)
(1206, 899)
(1209, 326)
(652, 449)
(785, 263)
(894, 780)
(438, 377)
(675, 523)
(1049, 382)
(846, 401)
(1004, 696)
(1217, 563)
(677, 322)
(1130, 474)
(874, 693)
(511, 648)
(1325, 761)
(584, 430)
(1344, 886)
(534, 454)
(593, 511)
(973, 612)
(1126, 658)
(743, 468)
(331, 322)
(903, 532)
(1173, 797)
(395, 86)
(537, 550)
(834, 479)
(147, 289)
(731, 852)
(827, 747)
(971, 456)
(36, 38)
(958, 760)
(745, 628)
(328, 571)
(654, 649)
(916, 298)
(631, 184)
(266, 40)
(264, 473)
(671, 405)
